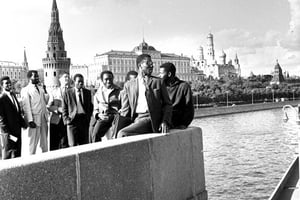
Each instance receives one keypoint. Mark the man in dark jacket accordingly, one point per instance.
(11, 121)
(146, 101)
(77, 109)
(180, 94)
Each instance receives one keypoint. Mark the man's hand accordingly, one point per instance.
(164, 128)
(32, 124)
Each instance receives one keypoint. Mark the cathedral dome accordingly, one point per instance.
(144, 46)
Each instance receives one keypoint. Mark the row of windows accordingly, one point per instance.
(10, 74)
(56, 66)
(54, 55)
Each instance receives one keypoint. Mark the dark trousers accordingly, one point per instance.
(78, 130)
(141, 125)
(101, 128)
(58, 136)
(11, 149)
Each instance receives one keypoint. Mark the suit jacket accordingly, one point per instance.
(69, 105)
(11, 119)
(159, 103)
(34, 104)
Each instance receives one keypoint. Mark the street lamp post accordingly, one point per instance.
(293, 95)
(227, 98)
(252, 95)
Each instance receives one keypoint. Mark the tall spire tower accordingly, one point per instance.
(56, 61)
(210, 49)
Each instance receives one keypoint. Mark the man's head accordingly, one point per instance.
(5, 83)
(33, 76)
(167, 71)
(64, 79)
(144, 64)
(131, 75)
(78, 81)
(107, 78)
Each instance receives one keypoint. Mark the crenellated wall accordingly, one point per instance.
(152, 166)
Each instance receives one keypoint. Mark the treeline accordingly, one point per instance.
(242, 91)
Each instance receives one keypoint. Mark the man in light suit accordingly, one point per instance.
(34, 99)
(146, 101)
(77, 109)
(11, 121)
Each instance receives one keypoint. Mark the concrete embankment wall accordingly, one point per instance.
(152, 166)
(213, 111)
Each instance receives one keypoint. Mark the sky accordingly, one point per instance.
(259, 31)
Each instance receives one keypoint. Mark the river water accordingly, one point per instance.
(246, 155)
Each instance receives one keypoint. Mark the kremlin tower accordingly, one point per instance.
(56, 61)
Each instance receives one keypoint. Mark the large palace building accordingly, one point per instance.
(56, 61)
(15, 71)
(121, 62)
(212, 67)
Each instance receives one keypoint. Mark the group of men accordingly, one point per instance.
(151, 104)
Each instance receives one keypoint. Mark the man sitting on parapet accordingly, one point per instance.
(146, 101)
(106, 105)
(180, 94)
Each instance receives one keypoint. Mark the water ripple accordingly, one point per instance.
(246, 154)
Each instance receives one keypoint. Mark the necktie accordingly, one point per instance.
(80, 98)
(14, 100)
(37, 88)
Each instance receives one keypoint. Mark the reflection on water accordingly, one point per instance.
(247, 154)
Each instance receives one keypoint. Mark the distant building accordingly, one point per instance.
(56, 61)
(121, 62)
(277, 75)
(213, 68)
(15, 71)
(80, 69)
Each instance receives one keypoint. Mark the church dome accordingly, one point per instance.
(144, 46)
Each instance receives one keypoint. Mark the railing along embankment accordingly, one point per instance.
(151, 166)
(224, 110)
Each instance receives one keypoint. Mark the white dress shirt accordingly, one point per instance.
(142, 106)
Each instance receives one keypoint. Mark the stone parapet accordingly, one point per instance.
(150, 166)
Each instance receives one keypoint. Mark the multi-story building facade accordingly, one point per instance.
(15, 71)
(213, 68)
(121, 62)
(56, 61)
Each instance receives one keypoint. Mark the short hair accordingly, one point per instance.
(30, 72)
(169, 67)
(3, 78)
(134, 73)
(77, 75)
(105, 72)
(140, 58)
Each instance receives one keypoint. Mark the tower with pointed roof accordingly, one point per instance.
(210, 49)
(24, 69)
(56, 61)
(277, 75)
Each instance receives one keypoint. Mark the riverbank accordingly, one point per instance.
(213, 111)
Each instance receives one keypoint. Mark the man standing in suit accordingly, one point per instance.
(77, 109)
(34, 99)
(11, 121)
(146, 101)
(58, 131)
(180, 94)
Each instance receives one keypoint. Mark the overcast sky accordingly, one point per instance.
(259, 31)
